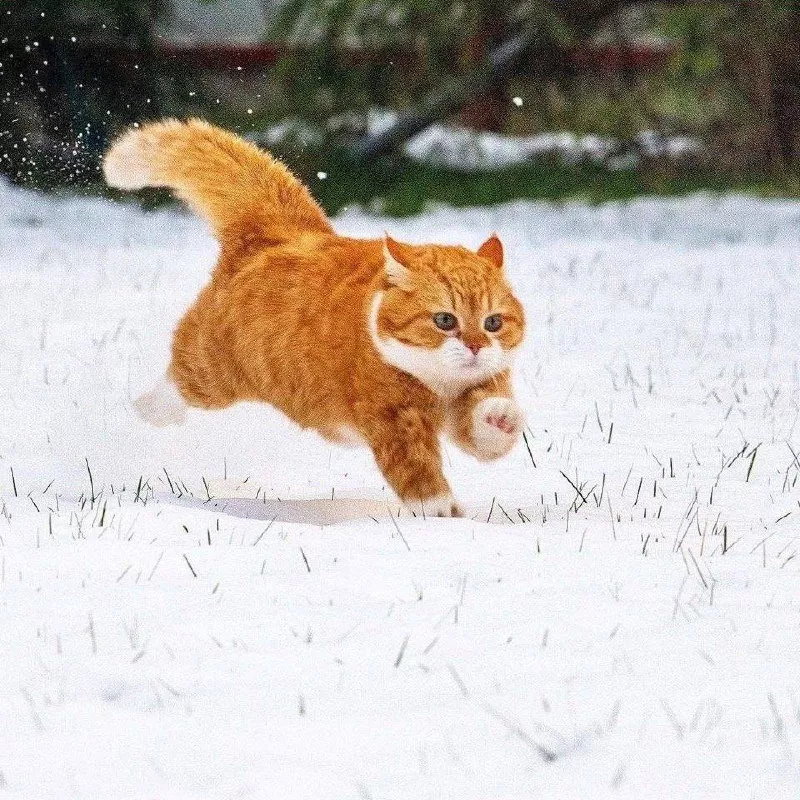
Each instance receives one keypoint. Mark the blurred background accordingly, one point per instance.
(392, 104)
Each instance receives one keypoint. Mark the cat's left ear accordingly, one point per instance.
(492, 250)
(397, 273)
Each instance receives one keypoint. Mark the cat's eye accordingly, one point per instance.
(445, 321)
(493, 323)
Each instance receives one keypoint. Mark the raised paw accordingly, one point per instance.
(443, 505)
(496, 425)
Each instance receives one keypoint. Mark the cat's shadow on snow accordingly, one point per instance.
(333, 511)
(304, 511)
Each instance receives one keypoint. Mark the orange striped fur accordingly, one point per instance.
(350, 337)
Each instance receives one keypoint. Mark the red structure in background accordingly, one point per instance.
(620, 58)
(585, 58)
(486, 110)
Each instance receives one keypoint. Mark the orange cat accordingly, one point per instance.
(373, 342)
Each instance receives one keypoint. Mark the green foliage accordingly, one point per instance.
(697, 30)
(350, 55)
(733, 66)
(401, 187)
(60, 99)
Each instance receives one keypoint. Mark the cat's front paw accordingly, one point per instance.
(497, 423)
(443, 505)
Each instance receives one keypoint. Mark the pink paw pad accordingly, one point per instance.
(502, 422)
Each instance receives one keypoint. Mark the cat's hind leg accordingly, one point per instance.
(163, 405)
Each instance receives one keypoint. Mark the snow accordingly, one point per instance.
(464, 149)
(456, 147)
(287, 639)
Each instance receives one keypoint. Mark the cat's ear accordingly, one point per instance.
(492, 250)
(397, 273)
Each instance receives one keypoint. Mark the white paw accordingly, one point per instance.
(497, 423)
(162, 405)
(443, 505)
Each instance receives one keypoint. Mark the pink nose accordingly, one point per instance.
(474, 348)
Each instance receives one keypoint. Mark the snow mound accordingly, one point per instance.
(459, 148)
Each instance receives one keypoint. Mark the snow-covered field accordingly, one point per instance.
(619, 616)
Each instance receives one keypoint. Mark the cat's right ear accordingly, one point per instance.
(396, 272)
(492, 250)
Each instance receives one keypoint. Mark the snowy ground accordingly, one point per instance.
(619, 617)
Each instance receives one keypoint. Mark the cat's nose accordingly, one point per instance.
(473, 347)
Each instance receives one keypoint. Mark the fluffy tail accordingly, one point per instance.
(242, 191)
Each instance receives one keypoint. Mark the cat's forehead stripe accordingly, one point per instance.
(473, 297)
